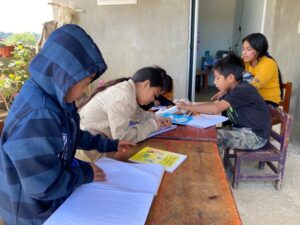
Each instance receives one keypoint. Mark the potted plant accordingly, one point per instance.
(1, 48)
(6, 50)
(14, 74)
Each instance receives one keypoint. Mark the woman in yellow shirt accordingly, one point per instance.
(262, 66)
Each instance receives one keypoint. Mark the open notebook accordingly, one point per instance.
(124, 198)
(199, 121)
(204, 120)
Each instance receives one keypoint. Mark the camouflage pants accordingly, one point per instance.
(240, 138)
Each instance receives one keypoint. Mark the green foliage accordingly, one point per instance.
(24, 38)
(14, 74)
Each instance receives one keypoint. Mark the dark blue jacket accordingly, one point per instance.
(41, 134)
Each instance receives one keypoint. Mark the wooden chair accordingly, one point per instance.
(287, 91)
(269, 154)
(285, 101)
(204, 75)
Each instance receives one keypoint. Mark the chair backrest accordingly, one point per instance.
(285, 120)
(285, 102)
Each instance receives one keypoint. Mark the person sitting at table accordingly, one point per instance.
(113, 109)
(266, 74)
(245, 108)
(164, 99)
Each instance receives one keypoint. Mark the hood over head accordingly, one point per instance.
(68, 56)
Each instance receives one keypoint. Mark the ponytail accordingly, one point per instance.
(85, 100)
(279, 76)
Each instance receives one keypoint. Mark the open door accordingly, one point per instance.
(193, 31)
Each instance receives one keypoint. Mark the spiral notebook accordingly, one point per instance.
(124, 198)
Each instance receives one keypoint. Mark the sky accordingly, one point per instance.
(20, 16)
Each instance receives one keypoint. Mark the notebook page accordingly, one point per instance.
(91, 206)
(124, 176)
(204, 121)
(157, 172)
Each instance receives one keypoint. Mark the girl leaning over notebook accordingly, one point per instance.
(114, 109)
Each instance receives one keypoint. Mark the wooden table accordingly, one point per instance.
(197, 192)
(189, 133)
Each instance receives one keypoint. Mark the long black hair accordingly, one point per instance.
(167, 81)
(259, 42)
(147, 73)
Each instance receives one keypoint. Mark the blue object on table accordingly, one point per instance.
(180, 119)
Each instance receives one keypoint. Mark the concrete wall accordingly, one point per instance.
(152, 32)
(281, 27)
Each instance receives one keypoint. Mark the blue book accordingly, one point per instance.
(181, 119)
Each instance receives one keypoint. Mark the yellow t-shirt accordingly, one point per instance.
(266, 78)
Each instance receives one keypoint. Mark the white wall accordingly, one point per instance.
(249, 16)
(152, 32)
(215, 26)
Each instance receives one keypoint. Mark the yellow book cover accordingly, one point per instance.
(170, 160)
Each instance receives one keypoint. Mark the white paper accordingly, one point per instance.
(91, 206)
(204, 121)
(116, 2)
(129, 176)
(124, 198)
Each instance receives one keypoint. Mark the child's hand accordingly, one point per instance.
(165, 122)
(182, 106)
(123, 146)
(99, 174)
